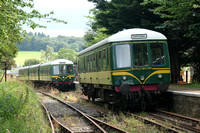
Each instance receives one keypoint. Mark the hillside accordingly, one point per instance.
(39, 41)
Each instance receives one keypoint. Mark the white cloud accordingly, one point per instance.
(72, 11)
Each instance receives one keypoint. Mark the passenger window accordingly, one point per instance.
(99, 61)
(140, 54)
(104, 59)
(99, 54)
(93, 62)
(157, 54)
(123, 56)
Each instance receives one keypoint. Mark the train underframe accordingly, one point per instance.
(60, 85)
(141, 97)
(64, 85)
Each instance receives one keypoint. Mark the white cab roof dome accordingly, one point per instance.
(134, 34)
(128, 35)
(57, 62)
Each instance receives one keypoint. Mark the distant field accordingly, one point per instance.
(23, 55)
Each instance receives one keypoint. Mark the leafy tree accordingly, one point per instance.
(48, 55)
(30, 62)
(92, 37)
(116, 15)
(68, 54)
(181, 25)
(39, 41)
(6, 63)
(12, 17)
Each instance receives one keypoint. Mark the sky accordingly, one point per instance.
(72, 11)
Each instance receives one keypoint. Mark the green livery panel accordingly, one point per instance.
(132, 63)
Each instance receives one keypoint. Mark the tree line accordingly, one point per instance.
(48, 55)
(12, 18)
(39, 41)
(178, 20)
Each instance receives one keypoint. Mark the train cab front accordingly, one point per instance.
(63, 77)
(141, 71)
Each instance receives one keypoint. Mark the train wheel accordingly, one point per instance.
(93, 95)
(143, 105)
(89, 93)
(89, 97)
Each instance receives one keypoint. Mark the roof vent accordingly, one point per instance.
(139, 36)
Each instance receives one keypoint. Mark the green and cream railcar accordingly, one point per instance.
(24, 73)
(131, 66)
(34, 73)
(59, 73)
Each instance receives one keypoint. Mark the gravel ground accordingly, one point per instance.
(68, 116)
(87, 110)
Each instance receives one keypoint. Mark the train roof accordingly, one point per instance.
(26, 67)
(128, 35)
(34, 66)
(57, 62)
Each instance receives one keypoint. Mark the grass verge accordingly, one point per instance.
(20, 110)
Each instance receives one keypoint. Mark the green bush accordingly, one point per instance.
(20, 110)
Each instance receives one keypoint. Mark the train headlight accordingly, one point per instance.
(124, 77)
(63, 77)
(160, 76)
(142, 78)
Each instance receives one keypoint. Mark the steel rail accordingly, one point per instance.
(181, 116)
(49, 118)
(63, 128)
(148, 121)
(156, 123)
(183, 126)
(175, 124)
(99, 128)
(107, 127)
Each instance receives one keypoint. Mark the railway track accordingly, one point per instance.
(177, 121)
(165, 121)
(79, 121)
(53, 121)
(171, 122)
(159, 124)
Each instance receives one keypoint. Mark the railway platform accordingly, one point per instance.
(184, 100)
(184, 90)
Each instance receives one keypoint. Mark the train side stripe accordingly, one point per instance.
(125, 73)
(156, 72)
(69, 76)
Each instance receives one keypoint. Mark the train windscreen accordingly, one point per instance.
(140, 54)
(62, 69)
(157, 54)
(59, 70)
(55, 70)
(123, 55)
